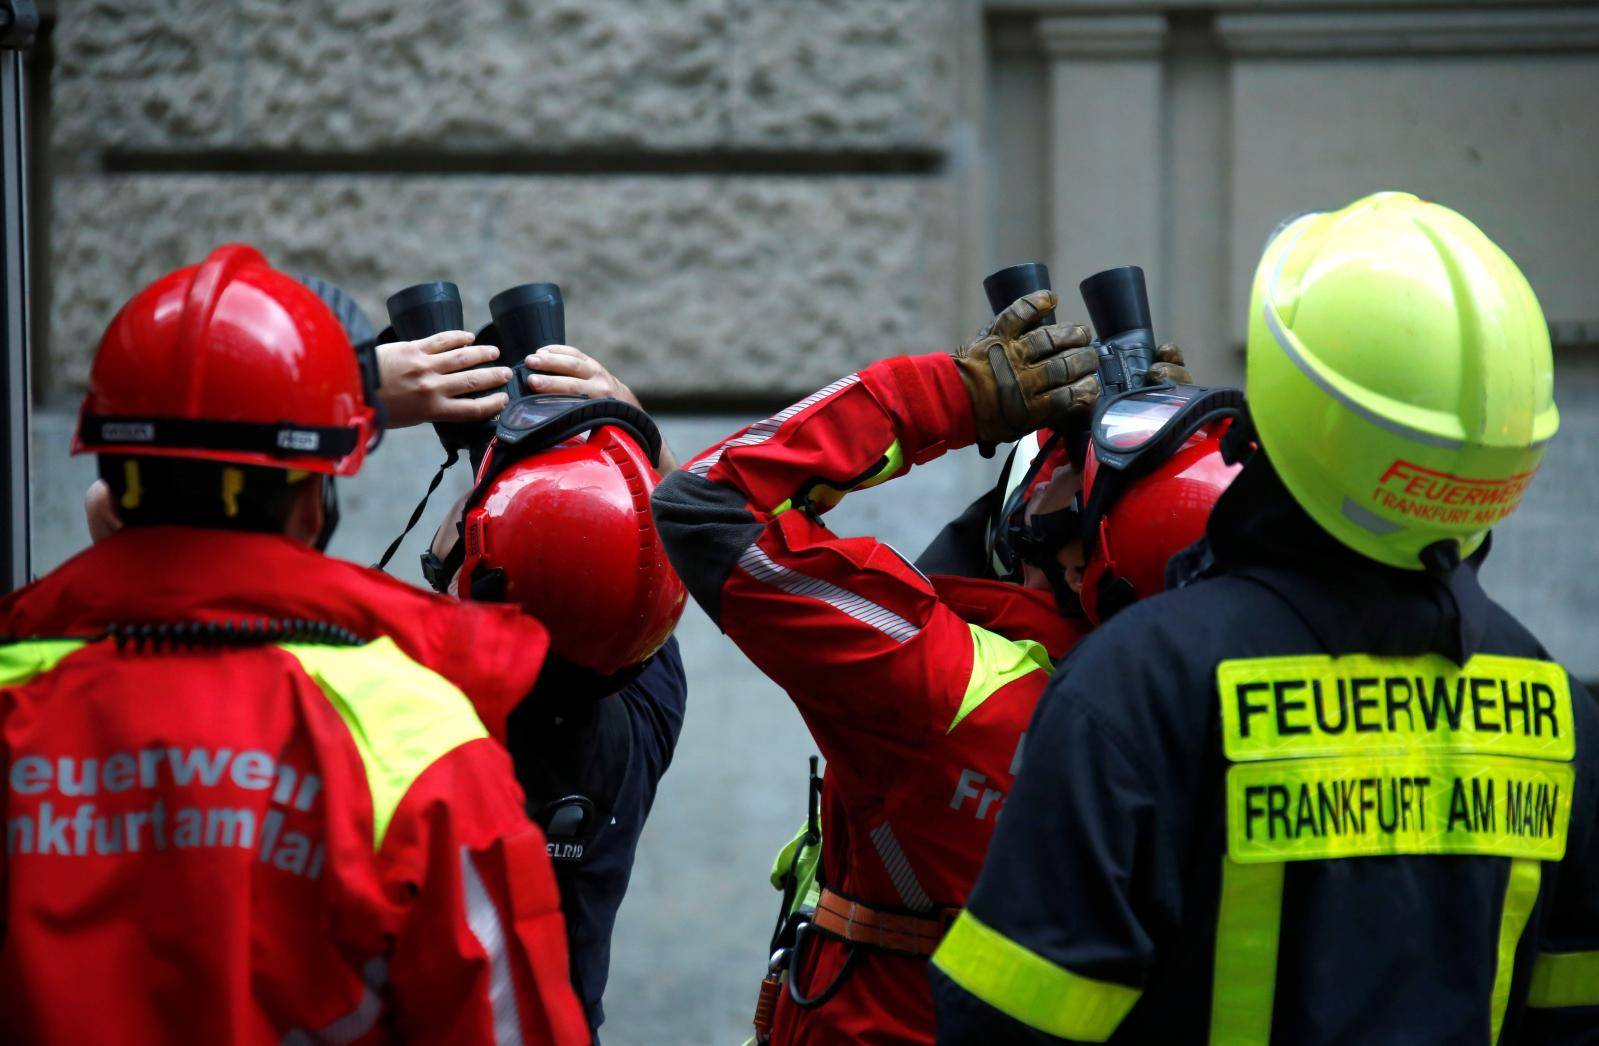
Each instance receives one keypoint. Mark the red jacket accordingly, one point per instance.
(918, 693)
(258, 841)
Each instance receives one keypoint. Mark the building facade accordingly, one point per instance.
(743, 199)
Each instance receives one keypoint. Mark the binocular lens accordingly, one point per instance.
(425, 309)
(529, 317)
(1117, 301)
(1018, 281)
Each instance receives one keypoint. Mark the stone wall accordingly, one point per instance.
(740, 198)
(707, 287)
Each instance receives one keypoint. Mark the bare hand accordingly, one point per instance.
(429, 380)
(561, 368)
(564, 369)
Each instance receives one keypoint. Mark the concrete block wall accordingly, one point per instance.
(741, 199)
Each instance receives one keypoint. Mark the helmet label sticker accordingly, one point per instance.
(127, 432)
(299, 440)
(1440, 497)
(1361, 756)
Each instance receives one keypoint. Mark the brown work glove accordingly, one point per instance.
(1168, 366)
(1021, 379)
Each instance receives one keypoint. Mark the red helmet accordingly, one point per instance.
(231, 360)
(1154, 517)
(566, 533)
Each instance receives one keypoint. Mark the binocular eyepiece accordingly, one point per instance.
(425, 309)
(524, 318)
(1015, 283)
(1118, 307)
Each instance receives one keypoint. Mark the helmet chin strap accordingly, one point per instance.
(1046, 534)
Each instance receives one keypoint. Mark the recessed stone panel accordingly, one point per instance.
(691, 286)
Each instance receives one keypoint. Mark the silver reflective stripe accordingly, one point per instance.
(359, 1021)
(758, 565)
(1364, 517)
(762, 431)
(1290, 348)
(483, 918)
(899, 869)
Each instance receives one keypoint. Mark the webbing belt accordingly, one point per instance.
(903, 933)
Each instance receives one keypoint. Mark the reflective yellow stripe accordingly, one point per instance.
(893, 465)
(997, 661)
(823, 496)
(1310, 809)
(402, 717)
(1314, 705)
(21, 662)
(1521, 893)
(1564, 979)
(1245, 975)
(1024, 985)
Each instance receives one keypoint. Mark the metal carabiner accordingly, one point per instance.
(850, 955)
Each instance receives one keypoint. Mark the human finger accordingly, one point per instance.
(444, 341)
(471, 409)
(1170, 353)
(1047, 341)
(466, 382)
(563, 359)
(1177, 375)
(1070, 365)
(590, 387)
(464, 358)
(1023, 314)
(1075, 399)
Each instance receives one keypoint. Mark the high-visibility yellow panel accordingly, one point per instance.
(1361, 806)
(1315, 705)
(402, 716)
(1564, 979)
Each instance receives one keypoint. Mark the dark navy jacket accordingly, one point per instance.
(615, 750)
(1110, 906)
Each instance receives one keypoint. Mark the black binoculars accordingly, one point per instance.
(523, 319)
(1118, 307)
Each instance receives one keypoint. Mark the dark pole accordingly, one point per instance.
(19, 20)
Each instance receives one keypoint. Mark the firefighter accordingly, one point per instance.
(1327, 791)
(247, 794)
(445, 378)
(560, 525)
(916, 691)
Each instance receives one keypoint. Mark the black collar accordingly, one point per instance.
(1350, 603)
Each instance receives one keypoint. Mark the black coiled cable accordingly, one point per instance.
(192, 635)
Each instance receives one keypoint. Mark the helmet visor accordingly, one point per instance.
(531, 413)
(1147, 425)
(1135, 420)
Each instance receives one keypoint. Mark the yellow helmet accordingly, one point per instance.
(1399, 375)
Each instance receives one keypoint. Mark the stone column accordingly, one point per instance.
(1105, 156)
